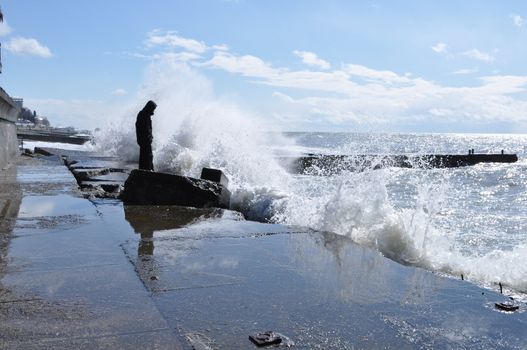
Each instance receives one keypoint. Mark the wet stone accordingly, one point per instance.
(265, 339)
(214, 175)
(152, 188)
(507, 306)
(85, 174)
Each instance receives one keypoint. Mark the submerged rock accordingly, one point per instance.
(152, 188)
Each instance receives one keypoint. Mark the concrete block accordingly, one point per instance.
(214, 175)
(152, 188)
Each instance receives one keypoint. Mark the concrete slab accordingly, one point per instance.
(64, 280)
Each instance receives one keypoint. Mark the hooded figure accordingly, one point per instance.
(143, 130)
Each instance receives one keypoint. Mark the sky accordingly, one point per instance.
(299, 65)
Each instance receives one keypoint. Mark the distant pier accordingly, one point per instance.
(51, 135)
(330, 164)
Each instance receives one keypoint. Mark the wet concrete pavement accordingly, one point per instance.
(64, 281)
(90, 273)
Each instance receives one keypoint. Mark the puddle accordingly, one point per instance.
(58, 205)
(45, 174)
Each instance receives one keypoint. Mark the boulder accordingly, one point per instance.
(152, 188)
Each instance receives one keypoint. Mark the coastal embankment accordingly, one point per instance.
(8, 138)
(83, 272)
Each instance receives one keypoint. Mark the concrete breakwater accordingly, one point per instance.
(331, 164)
(8, 138)
(52, 135)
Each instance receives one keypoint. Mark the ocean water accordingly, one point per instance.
(468, 221)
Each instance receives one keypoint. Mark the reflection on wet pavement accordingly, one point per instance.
(227, 278)
(64, 282)
(58, 205)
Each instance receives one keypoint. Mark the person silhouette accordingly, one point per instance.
(143, 129)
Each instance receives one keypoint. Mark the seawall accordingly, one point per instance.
(8, 138)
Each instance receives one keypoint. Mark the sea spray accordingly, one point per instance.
(356, 204)
(193, 129)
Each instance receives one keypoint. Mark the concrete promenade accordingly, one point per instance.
(64, 280)
(87, 273)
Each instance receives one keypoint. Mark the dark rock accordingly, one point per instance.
(111, 176)
(214, 175)
(506, 306)
(109, 187)
(69, 162)
(88, 174)
(42, 151)
(152, 188)
(265, 339)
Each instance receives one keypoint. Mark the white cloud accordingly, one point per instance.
(518, 20)
(246, 65)
(479, 55)
(311, 59)
(119, 92)
(283, 97)
(5, 29)
(222, 47)
(178, 56)
(184, 56)
(28, 46)
(382, 96)
(465, 71)
(359, 94)
(374, 75)
(171, 39)
(440, 48)
(423, 102)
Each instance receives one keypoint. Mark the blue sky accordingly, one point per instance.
(423, 66)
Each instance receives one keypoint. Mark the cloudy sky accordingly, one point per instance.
(396, 66)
